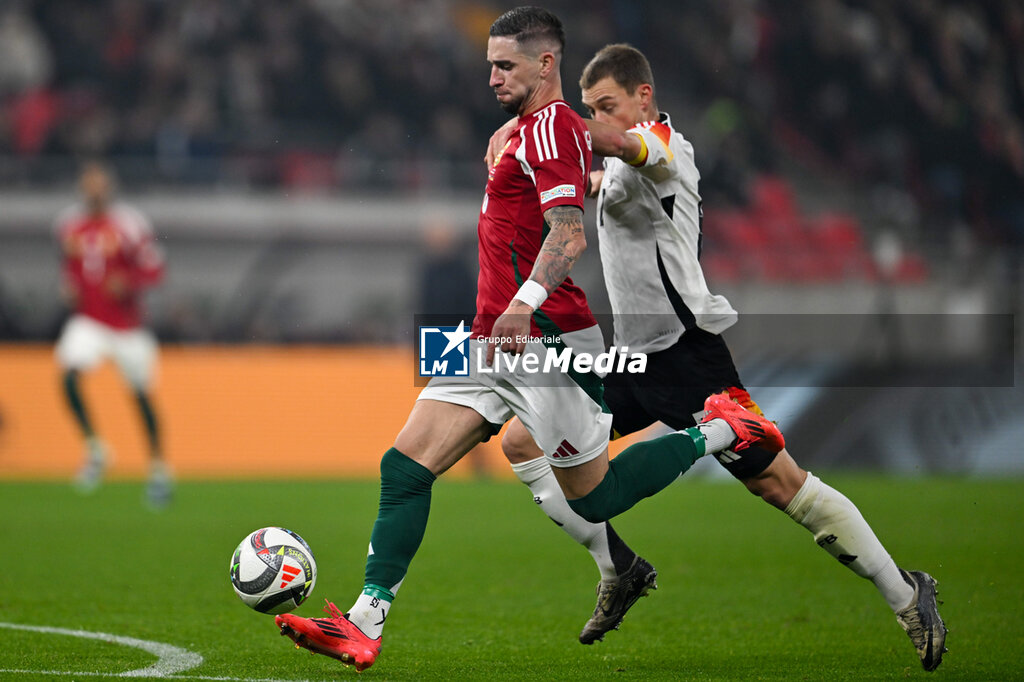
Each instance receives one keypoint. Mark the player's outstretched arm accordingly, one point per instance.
(563, 246)
(608, 140)
(648, 152)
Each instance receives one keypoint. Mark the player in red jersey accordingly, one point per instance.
(110, 258)
(530, 235)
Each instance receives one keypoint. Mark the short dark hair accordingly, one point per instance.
(530, 25)
(625, 64)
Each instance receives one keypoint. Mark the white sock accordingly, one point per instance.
(537, 475)
(718, 435)
(840, 529)
(893, 587)
(96, 449)
(369, 613)
(158, 469)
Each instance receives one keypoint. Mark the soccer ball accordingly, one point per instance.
(273, 570)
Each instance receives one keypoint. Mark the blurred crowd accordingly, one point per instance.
(918, 101)
(918, 96)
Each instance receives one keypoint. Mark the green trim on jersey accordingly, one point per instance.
(591, 383)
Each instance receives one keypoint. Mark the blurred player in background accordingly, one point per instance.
(649, 228)
(445, 283)
(530, 232)
(110, 259)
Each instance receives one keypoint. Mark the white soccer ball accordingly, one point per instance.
(273, 570)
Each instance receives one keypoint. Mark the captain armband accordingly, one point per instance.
(641, 157)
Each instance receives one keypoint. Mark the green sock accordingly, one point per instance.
(638, 472)
(150, 420)
(75, 402)
(401, 519)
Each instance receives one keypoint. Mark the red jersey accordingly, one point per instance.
(545, 163)
(109, 259)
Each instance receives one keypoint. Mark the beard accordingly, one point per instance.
(515, 105)
(512, 106)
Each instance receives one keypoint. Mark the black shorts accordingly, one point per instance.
(673, 389)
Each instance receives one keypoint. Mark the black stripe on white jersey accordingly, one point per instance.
(684, 314)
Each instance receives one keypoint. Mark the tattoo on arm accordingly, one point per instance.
(562, 247)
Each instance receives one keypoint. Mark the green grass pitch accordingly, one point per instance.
(498, 592)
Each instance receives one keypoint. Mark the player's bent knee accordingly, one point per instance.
(517, 445)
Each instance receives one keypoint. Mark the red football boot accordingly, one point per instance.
(750, 428)
(336, 637)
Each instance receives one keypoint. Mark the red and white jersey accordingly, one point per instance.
(109, 259)
(545, 163)
(649, 231)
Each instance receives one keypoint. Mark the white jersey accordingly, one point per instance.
(649, 221)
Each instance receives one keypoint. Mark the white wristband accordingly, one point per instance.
(532, 294)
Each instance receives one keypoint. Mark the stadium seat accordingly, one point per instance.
(913, 269)
(773, 198)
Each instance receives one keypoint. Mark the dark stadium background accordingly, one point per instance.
(303, 162)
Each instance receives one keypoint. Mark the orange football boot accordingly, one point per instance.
(750, 428)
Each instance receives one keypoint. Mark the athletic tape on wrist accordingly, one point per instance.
(532, 294)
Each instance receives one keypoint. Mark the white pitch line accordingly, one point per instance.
(170, 659)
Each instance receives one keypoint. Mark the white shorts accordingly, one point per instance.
(84, 343)
(565, 415)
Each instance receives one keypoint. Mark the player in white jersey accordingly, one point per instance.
(650, 208)
(659, 192)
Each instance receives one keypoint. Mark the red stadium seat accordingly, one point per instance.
(773, 198)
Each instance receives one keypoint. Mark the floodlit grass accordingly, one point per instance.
(498, 592)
